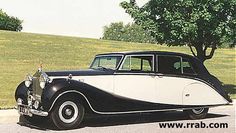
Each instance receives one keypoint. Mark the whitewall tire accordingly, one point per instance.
(67, 114)
(198, 113)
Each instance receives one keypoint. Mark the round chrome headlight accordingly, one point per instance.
(28, 80)
(19, 101)
(43, 79)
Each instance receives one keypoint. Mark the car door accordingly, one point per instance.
(170, 82)
(135, 78)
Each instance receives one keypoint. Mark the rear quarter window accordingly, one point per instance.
(174, 65)
(187, 67)
(169, 64)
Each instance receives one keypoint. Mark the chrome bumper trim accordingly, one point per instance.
(31, 111)
(37, 112)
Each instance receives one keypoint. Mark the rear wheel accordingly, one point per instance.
(67, 114)
(198, 113)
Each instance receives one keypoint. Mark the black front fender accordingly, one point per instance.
(52, 90)
(21, 92)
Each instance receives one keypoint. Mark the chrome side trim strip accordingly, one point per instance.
(125, 112)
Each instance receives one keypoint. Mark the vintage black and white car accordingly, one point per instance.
(121, 83)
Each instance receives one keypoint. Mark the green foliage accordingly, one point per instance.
(201, 24)
(9, 22)
(129, 33)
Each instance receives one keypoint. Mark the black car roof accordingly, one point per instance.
(150, 52)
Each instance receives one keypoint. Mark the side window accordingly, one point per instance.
(187, 67)
(137, 63)
(106, 61)
(169, 64)
(147, 65)
(126, 64)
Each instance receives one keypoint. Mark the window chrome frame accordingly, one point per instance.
(131, 55)
(112, 55)
(191, 65)
(157, 65)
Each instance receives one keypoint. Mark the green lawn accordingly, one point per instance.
(21, 53)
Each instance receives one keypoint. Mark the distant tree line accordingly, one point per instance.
(9, 22)
(127, 32)
(132, 32)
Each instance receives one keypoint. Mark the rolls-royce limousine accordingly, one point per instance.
(121, 83)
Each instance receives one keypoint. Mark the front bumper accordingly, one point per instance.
(27, 110)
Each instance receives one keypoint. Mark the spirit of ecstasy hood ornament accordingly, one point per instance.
(40, 67)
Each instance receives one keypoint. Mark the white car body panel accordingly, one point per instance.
(201, 94)
(170, 89)
(139, 87)
(103, 82)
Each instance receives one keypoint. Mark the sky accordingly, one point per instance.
(83, 18)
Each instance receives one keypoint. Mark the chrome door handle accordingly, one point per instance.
(152, 74)
(187, 95)
(160, 75)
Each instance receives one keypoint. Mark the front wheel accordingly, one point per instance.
(67, 114)
(198, 113)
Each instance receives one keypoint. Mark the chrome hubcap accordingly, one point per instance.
(198, 111)
(68, 112)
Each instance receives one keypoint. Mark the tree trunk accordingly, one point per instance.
(201, 52)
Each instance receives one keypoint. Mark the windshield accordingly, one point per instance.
(106, 62)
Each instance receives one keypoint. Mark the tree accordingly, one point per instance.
(129, 32)
(9, 22)
(203, 25)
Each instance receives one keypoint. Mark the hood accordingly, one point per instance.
(88, 72)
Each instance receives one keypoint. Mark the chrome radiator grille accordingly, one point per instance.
(36, 90)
